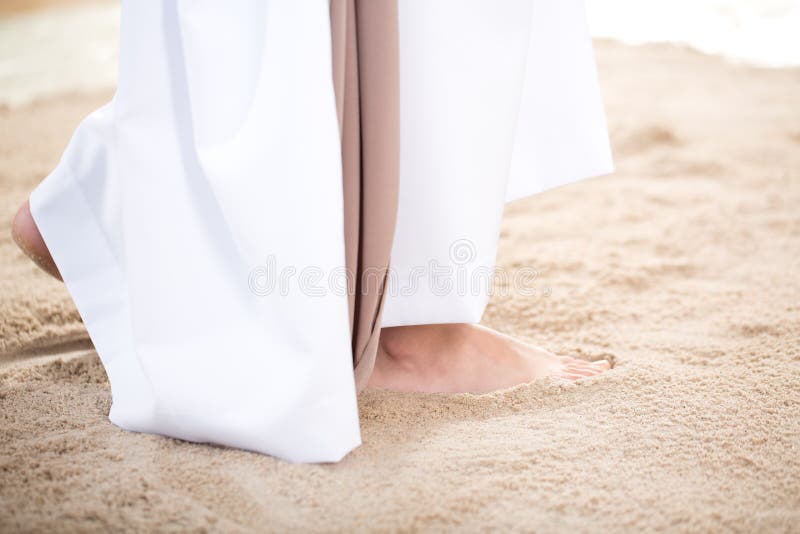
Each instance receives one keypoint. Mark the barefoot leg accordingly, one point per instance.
(28, 238)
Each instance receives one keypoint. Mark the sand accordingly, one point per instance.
(682, 268)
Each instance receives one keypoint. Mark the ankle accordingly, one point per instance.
(410, 345)
(396, 345)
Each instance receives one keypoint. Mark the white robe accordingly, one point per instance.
(197, 218)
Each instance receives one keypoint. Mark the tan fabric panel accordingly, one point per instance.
(366, 84)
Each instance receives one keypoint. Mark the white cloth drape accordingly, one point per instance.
(197, 218)
(498, 100)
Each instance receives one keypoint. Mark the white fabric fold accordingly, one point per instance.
(164, 205)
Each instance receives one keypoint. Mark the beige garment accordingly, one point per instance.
(366, 84)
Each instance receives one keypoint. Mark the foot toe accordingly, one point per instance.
(605, 365)
(570, 376)
(582, 371)
(574, 368)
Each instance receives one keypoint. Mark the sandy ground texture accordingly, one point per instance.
(682, 267)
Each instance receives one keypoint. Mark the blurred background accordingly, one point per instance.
(53, 46)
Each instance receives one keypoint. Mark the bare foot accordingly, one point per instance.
(28, 238)
(455, 358)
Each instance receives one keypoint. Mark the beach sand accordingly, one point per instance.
(682, 267)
